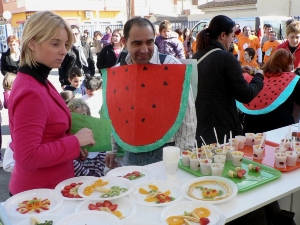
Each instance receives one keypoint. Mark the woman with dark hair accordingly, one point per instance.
(188, 41)
(109, 54)
(220, 82)
(279, 66)
(106, 39)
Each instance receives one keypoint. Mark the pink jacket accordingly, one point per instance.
(296, 54)
(40, 124)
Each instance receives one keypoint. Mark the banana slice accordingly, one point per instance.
(34, 221)
(190, 218)
(102, 189)
(186, 222)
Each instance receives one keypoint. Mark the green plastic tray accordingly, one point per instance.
(250, 180)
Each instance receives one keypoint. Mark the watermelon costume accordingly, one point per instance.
(276, 91)
(146, 103)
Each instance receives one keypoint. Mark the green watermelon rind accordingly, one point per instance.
(173, 129)
(281, 99)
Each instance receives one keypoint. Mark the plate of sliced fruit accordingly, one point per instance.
(69, 188)
(136, 174)
(192, 213)
(123, 208)
(46, 219)
(156, 193)
(211, 189)
(105, 188)
(33, 202)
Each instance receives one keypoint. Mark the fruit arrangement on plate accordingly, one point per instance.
(154, 195)
(198, 215)
(134, 175)
(35, 221)
(106, 206)
(71, 191)
(33, 205)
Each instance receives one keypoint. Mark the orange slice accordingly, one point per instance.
(167, 193)
(201, 212)
(143, 191)
(175, 220)
(151, 199)
(117, 213)
(153, 187)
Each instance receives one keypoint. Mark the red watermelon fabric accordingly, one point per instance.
(146, 103)
(276, 90)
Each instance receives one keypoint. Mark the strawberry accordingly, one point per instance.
(244, 171)
(204, 221)
(107, 203)
(113, 207)
(257, 168)
(240, 174)
(99, 204)
(93, 207)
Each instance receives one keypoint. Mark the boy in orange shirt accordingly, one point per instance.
(270, 46)
(249, 54)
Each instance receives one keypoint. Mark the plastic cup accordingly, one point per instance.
(291, 159)
(219, 159)
(237, 158)
(249, 139)
(242, 141)
(207, 148)
(185, 157)
(287, 144)
(217, 169)
(280, 160)
(260, 134)
(210, 155)
(276, 149)
(205, 166)
(194, 162)
(257, 140)
(220, 151)
(298, 154)
(228, 154)
(258, 152)
(171, 154)
(235, 143)
(297, 146)
(214, 146)
(171, 170)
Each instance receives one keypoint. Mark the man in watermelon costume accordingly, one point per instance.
(150, 105)
(273, 107)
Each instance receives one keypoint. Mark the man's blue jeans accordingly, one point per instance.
(145, 158)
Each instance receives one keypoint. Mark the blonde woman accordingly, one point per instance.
(110, 53)
(39, 119)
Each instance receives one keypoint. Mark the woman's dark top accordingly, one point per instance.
(220, 84)
(8, 65)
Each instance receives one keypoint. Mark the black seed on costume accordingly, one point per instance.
(143, 85)
(165, 83)
(143, 120)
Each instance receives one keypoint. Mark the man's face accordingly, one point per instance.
(293, 39)
(268, 29)
(272, 37)
(140, 44)
(247, 31)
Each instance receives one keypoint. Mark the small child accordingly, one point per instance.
(168, 42)
(67, 96)
(94, 164)
(7, 86)
(93, 97)
(249, 54)
(270, 46)
(75, 77)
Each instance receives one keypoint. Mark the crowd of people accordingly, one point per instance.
(224, 52)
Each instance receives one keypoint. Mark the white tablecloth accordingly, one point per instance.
(242, 204)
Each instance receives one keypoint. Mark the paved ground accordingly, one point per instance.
(4, 176)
